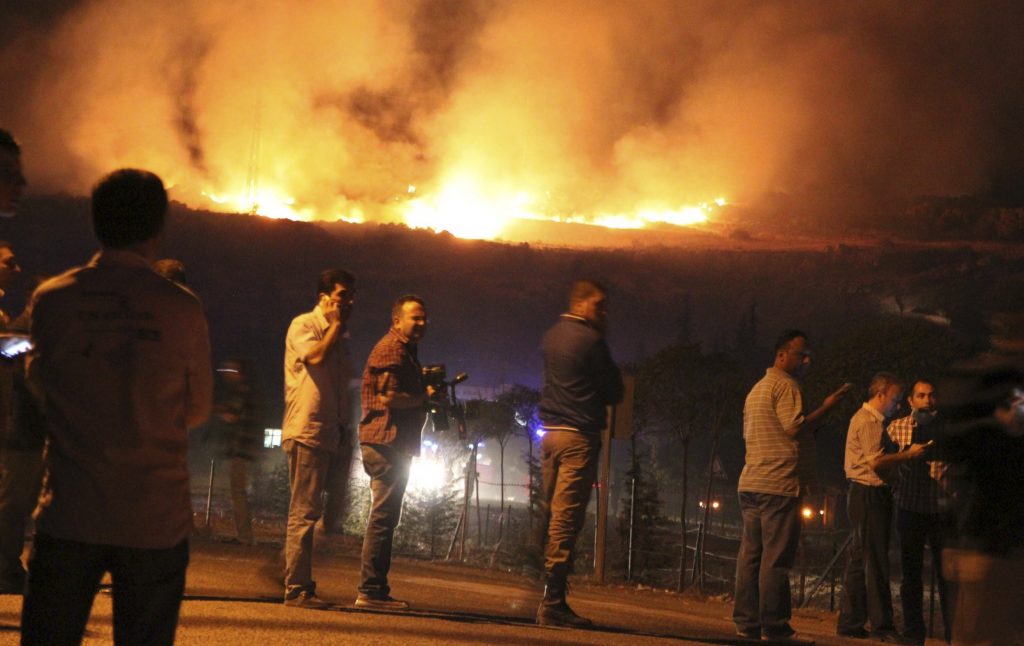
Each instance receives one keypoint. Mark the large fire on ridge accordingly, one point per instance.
(474, 116)
(460, 207)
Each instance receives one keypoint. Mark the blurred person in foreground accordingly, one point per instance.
(982, 439)
(316, 435)
(12, 180)
(922, 511)
(394, 398)
(21, 443)
(869, 461)
(122, 363)
(239, 408)
(580, 381)
(778, 470)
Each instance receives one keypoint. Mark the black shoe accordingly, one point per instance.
(853, 633)
(749, 633)
(781, 633)
(889, 637)
(560, 614)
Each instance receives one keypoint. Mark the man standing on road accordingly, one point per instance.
(869, 452)
(122, 361)
(315, 433)
(778, 470)
(580, 381)
(923, 514)
(394, 399)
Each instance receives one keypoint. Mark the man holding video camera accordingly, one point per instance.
(394, 400)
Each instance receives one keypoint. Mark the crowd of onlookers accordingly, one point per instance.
(94, 421)
(948, 475)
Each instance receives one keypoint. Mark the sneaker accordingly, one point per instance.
(853, 633)
(308, 600)
(380, 603)
(560, 614)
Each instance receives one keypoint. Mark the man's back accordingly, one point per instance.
(122, 356)
(580, 377)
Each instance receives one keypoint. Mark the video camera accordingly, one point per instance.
(444, 402)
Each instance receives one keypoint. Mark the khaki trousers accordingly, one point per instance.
(569, 462)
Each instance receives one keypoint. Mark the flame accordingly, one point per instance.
(463, 209)
(268, 202)
(461, 206)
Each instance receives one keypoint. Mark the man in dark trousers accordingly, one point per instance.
(580, 381)
(870, 455)
(122, 361)
(923, 512)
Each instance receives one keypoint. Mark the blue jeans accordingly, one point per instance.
(771, 535)
(389, 473)
(63, 577)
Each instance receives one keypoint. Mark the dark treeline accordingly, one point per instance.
(490, 302)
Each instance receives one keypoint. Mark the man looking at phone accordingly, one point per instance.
(778, 470)
(315, 434)
(870, 455)
(923, 514)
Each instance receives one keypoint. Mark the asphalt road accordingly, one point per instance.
(233, 596)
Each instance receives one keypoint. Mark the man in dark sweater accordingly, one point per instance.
(580, 381)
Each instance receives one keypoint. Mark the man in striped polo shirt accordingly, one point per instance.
(778, 469)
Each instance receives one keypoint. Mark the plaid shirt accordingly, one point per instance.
(392, 367)
(920, 484)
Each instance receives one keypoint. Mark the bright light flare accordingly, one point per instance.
(427, 475)
(807, 512)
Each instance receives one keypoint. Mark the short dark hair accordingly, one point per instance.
(331, 277)
(8, 143)
(584, 288)
(787, 336)
(128, 207)
(882, 382)
(921, 380)
(396, 308)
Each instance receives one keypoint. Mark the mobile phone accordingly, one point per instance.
(14, 345)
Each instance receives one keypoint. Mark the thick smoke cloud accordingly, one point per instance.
(589, 107)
